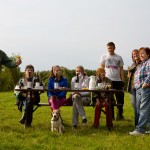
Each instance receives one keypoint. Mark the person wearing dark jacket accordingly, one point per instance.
(6, 61)
(21, 96)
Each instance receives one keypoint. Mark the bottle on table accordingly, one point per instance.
(37, 83)
(29, 81)
(99, 82)
(56, 83)
(76, 85)
(21, 84)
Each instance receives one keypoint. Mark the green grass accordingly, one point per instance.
(13, 135)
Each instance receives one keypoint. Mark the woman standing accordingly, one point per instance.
(130, 87)
(142, 86)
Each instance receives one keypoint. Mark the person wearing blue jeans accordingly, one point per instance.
(142, 85)
(130, 86)
(143, 108)
(133, 101)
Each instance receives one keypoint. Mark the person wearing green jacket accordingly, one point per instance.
(6, 61)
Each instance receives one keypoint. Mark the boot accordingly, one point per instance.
(119, 113)
(23, 118)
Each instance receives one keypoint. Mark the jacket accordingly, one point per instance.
(62, 83)
(6, 61)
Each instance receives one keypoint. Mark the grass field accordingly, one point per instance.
(15, 137)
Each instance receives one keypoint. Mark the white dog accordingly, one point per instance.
(56, 122)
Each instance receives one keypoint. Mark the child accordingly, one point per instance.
(81, 80)
(57, 99)
(101, 99)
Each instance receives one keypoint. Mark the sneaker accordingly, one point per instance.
(74, 126)
(147, 132)
(136, 133)
(22, 121)
(84, 121)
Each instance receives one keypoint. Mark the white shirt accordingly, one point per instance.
(112, 65)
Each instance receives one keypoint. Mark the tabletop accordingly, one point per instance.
(69, 90)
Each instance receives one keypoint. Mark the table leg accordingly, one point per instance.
(28, 111)
(109, 111)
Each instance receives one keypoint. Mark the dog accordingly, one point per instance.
(56, 122)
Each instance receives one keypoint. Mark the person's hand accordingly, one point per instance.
(24, 94)
(18, 61)
(97, 102)
(145, 85)
(77, 93)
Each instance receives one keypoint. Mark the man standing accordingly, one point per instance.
(113, 64)
(6, 61)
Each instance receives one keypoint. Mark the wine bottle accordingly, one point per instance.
(37, 79)
(56, 82)
(99, 81)
(29, 81)
(21, 84)
(76, 86)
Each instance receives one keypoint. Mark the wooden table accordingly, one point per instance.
(29, 105)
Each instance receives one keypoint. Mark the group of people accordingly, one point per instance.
(139, 88)
(110, 71)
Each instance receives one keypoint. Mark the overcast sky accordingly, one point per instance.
(72, 32)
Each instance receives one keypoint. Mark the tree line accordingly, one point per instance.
(10, 77)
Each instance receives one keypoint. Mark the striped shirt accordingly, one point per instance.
(142, 74)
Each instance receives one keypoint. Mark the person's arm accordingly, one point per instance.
(129, 74)
(49, 94)
(102, 66)
(63, 93)
(122, 73)
(9, 62)
(147, 79)
(102, 62)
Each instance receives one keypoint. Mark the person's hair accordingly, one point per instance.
(29, 67)
(142, 48)
(111, 44)
(52, 71)
(135, 50)
(99, 70)
(80, 67)
(146, 49)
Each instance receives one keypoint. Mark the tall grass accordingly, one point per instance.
(13, 135)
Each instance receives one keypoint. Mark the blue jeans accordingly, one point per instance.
(133, 102)
(143, 108)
